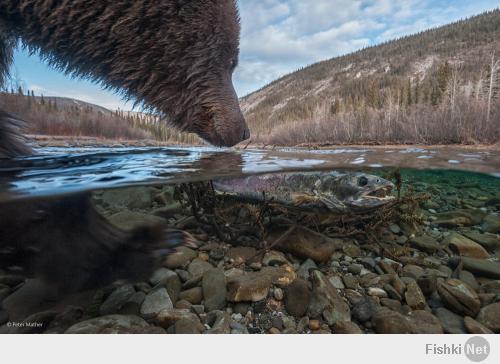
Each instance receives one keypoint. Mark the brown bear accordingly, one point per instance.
(176, 57)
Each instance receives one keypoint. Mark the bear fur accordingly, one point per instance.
(175, 57)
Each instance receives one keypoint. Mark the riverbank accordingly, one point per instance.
(372, 146)
(43, 141)
(84, 141)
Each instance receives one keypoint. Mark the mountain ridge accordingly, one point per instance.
(373, 77)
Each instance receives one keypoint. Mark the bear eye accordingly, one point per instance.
(233, 63)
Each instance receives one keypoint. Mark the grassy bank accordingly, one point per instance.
(56, 116)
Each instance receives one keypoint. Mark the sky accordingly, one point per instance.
(280, 36)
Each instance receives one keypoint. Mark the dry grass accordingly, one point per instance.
(44, 116)
(432, 87)
(418, 124)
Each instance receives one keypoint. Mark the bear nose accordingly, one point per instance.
(246, 134)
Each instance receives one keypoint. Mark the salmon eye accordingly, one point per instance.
(362, 181)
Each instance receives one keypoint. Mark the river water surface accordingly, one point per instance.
(427, 263)
(62, 170)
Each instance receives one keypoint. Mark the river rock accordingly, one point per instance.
(305, 268)
(188, 326)
(489, 316)
(274, 258)
(427, 283)
(117, 299)
(392, 292)
(160, 275)
(459, 297)
(394, 305)
(377, 292)
(278, 294)
(155, 302)
(233, 273)
(465, 247)
(192, 282)
(451, 322)
(336, 281)
(476, 328)
(180, 258)
(242, 254)
(425, 243)
(414, 296)
(254, 286)
(459, 218)
(167, 318)
(450, 220)
(130, 220)
(350, 281)
(133, 305)
(398, 284)
(198, 267)
(193, 295)
(491, 287)
(364, 309)
(314, 325)
(489, 241)
(326, 302)
(346, 327)
(305, 243)
(249, 287)
(480, 267)
(412, 271)
(385, 321)
(173, 285)
(468, 277)
(214, 289)
(425, 323)
(492, 224)
(297, 297)
(350, 249)
(493, 201)
(111, 324)
(221, 323)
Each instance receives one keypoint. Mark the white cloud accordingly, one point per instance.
(279, 36)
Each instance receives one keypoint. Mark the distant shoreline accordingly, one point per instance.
(322, 146)
(83, 141)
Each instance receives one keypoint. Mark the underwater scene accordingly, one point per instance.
(292, 241)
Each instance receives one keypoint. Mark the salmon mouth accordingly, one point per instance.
(374, 197)
(380, 193)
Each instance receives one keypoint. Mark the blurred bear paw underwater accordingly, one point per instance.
(68, 247)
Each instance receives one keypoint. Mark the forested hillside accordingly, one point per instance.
(61, 116)
(438, 86)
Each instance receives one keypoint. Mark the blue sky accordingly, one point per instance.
(279, 36)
